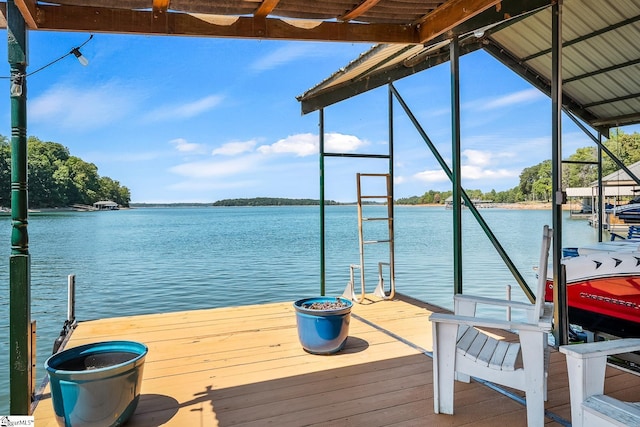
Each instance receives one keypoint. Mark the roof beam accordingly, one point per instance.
(358, 10)
(450, 15)
(29, 11)
(316, 101)
(98, 19)
(265, 8)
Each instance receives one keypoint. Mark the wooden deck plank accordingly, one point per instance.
(244, 366)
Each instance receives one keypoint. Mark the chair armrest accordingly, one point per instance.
(487, 323)
(601, 348)
(473, 299)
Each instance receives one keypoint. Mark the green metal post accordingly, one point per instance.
(19, 262)
(561, 322)
(322, 237)
(456, 168)
(601, 195)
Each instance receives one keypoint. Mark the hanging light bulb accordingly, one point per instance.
(81, 58)
(16, 85)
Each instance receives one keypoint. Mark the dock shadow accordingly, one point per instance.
(150, 402)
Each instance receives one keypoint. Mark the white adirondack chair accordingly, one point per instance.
(586, 365)
(461, 350)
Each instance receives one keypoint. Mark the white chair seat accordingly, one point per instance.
(602, 409)
(486, 350)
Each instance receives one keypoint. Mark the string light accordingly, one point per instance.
(17, 79)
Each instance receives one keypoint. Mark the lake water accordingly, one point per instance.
(170, 259)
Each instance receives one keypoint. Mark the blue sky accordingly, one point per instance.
(199, 120)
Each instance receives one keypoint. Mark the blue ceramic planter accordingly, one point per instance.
(322, 331)
(96, 385)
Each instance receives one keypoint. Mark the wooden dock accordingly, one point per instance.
(243, 366)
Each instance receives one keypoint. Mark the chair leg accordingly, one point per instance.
(533, 347)
(444, 353)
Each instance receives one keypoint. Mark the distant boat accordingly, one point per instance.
(106, 205)
(603, 291)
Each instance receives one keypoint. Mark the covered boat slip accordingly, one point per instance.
(245, 366)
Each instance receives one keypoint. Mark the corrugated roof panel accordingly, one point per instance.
(600, 58)
(528, 36)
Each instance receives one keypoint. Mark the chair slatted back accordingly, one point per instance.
(543, 265)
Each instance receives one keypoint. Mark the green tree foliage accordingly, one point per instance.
(5, 171)
(57, 179)
(535, 181)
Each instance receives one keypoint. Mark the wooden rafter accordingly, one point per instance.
(29, 12)
(358, 10)
(122, 21)
(450, 15)
(265, 8)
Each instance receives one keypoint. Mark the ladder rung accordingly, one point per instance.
(375, 197)
(376, 241)
(377, 219)
(374, 174)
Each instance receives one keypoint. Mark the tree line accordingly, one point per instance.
(271, 201)
(58, 179)
(535, 181)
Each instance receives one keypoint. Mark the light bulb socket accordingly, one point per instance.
(81, 58)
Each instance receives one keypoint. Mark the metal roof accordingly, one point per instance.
(600, 58)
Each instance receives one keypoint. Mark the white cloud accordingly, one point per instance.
(210, 168)
(184, 111)
(521, 97)
(306, 144)
(84, 108)
(283, 55)
(476, 165)
(475, 172)
(183, 146)
(234, 148)
(431, 176)
(484, 158)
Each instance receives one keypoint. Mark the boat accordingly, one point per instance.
(603, 291)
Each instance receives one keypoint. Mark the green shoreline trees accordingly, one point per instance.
(535, 181)
(58, 179)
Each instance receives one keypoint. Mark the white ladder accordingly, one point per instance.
(380, 291)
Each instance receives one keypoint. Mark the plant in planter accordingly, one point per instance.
(323, 323)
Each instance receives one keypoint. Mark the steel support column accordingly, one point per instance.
(322, 220)
(601, 195)
(456, 168)
(19, 262)
(561, 331)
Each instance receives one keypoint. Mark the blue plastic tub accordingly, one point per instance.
(322, 331)
(96, 385)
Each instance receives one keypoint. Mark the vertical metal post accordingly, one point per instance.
(390, 207)
(19, 261)
(71, 298)
(322, 231)
(561, 332)
(456, 167)
(601, 195)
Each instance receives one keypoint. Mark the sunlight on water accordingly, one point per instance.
(158, 260)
